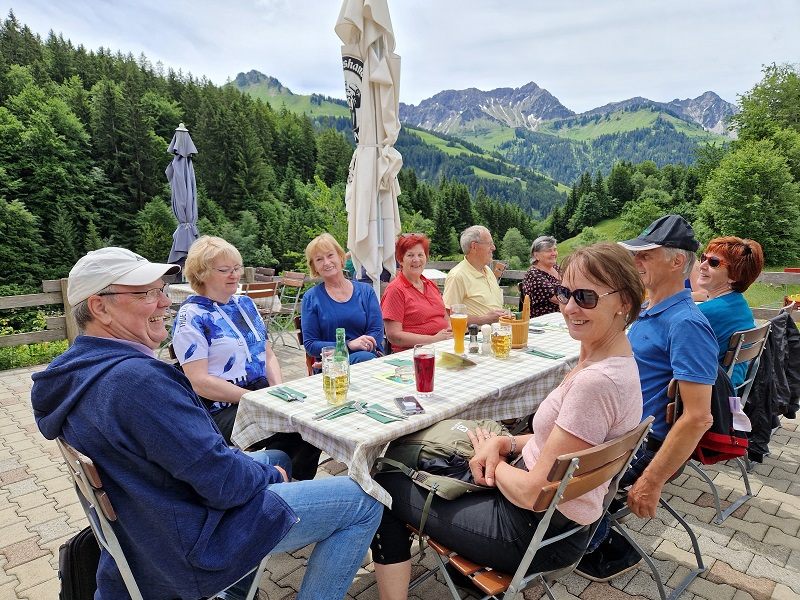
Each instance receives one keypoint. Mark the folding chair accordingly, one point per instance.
(744, 346)
(292, 288)
(97, 506)
(263, 294)
(572, 475)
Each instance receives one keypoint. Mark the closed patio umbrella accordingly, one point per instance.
(180, 174)
(372, 79)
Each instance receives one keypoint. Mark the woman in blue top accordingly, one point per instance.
(339, 302)
(221, 343)
(728, 267)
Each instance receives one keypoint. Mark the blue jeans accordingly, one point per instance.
(337, 515)
(273, 457)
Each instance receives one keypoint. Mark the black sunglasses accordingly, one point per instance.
(583, 298)
(713, 261)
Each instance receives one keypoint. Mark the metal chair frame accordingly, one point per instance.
(747, 345)
(571, 476)
(100, 513)
(292, 289)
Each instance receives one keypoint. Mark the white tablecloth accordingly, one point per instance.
(493, 389)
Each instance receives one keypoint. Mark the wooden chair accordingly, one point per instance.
(263, 294)
(309, 359)
(744, 346)
(101, 514)
(572, 475)
(292, 283)
(263, 274)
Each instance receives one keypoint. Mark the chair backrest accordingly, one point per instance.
(309, 359)
(261, 289)
(746, 346)
(99, 511)
(595, 466)
(263, 274)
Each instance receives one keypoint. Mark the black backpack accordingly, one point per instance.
(78, 559)
(721, 441)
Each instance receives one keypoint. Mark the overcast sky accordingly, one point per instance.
(585, 52)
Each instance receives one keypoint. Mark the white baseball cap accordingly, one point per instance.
(101, 268)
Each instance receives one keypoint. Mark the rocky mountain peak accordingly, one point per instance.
(254, 77)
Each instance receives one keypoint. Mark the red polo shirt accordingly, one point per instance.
(419, 312)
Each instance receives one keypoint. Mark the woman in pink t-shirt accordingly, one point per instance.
(412, 307)
(598, 400)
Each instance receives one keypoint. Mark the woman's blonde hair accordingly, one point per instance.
(202, 255)
(322, 243)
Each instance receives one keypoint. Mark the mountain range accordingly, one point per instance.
(530, 128)
(529, 106)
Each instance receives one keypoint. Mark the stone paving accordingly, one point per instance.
(755, 554)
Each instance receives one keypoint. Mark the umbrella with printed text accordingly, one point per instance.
(372, 86)
(180, 174)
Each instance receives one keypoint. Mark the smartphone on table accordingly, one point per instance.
(409, 405)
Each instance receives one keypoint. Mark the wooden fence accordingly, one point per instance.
(54, 291)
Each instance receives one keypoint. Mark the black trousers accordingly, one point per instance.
(484, 527)
(305, 457)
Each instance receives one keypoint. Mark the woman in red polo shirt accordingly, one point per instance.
(412, 307)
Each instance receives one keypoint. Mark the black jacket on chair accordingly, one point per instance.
(776, 389)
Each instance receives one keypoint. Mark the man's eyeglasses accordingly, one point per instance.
(713, 261)
(151, 296)
(583, 297)
(229, 270)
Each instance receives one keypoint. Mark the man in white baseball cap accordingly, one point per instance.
(195, 515)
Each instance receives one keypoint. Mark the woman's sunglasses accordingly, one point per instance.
(583, 298)
(712, 261)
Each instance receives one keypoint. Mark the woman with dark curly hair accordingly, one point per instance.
(727, 268)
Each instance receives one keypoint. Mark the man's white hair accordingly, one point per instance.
(472, 234)
(687, 254)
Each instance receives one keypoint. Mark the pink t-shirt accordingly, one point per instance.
(601, 402)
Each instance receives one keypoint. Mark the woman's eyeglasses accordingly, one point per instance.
(151, 296)
(229, 270)
(712, 261)
(583, 297)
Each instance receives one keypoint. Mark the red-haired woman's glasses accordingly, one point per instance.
(583, 297)
(713, 261)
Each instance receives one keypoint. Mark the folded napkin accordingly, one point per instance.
(373, 414)
(286, 394)
(544, 353)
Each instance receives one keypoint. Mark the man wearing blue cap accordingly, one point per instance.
(671, 339)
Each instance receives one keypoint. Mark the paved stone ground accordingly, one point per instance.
(755, 554)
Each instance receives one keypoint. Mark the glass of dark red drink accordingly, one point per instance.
(424, 359)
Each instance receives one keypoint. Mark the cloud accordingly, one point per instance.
(587, 53)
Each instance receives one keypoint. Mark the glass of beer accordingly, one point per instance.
(458, 323)
(424, 366)
(335, 380)
(501, 340)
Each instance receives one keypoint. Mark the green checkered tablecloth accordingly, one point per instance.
(493, 389)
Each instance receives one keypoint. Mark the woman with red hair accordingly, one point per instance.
(727, 268)
(413, 310)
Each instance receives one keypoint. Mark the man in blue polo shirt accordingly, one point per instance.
(670, 339)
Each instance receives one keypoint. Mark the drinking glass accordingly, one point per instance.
(335, 380)
(501, 340)
(424, 367)
(327, 353)
(458, 323)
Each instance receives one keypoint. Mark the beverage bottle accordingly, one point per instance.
(341, 353)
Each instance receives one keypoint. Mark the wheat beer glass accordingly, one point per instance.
(458, 323)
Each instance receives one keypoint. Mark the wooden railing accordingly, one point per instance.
(54, 291)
